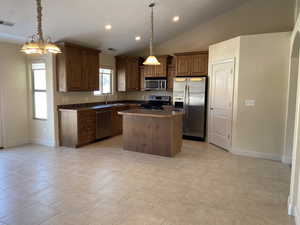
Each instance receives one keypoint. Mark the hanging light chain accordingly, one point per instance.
(39, 20)
(152, 29)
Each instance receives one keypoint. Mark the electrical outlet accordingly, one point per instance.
(249, 102)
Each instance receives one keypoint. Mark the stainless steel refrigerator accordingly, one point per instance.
(189, 94)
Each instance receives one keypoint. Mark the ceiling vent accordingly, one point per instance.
(6, 23)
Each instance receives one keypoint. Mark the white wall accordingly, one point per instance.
(263, 77)
(261, 74)
(297, 9)
(13, 91)
(252, 17)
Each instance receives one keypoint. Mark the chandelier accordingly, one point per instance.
(37, 44)
(151, 60)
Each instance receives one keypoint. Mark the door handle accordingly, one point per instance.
(211, 108)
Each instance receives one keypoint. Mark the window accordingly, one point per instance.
(105, 81)
(39, 90)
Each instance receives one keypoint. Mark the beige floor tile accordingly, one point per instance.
(101, 184)
(30, 215)
(12, 204)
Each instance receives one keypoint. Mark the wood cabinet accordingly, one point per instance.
(77, 128)
(171, 75)
(117, 120)
(192, 64)
(152, 132)
(86, 127)
(77, 68)
(128, 73)
(160, 70)
(142, 78)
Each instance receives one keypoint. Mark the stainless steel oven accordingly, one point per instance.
(155, 84)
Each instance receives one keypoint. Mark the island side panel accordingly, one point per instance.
(152, 135)
(162, 136)
(177, 135)
(68, 127)
(137, 133)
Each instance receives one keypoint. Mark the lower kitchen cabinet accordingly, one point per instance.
(117, 120)
(81, 127)
(77, 128)
(86, 127)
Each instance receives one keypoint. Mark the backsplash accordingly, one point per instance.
(143, 95)
(86, 97)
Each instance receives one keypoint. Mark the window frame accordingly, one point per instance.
(33, 90)
(100, 81)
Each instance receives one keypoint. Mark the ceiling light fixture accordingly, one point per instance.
(151, 60)
(108, 27)
(37, 44)
(176, 18)
(137, 38)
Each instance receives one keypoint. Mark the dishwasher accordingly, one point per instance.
(104, 121)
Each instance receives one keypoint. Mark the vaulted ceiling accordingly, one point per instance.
(84, 21)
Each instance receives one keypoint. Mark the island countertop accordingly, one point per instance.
(151, 113)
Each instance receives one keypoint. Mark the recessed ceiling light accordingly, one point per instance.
(138, 38)
(176, 18)
(108, 27)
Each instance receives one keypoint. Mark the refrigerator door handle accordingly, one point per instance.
(188, 101)
(184, 101)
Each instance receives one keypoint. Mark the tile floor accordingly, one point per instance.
(102, 185)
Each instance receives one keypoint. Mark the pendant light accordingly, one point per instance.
(37, 44)
(151, 60)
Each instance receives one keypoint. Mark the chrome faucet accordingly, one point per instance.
(106, 97)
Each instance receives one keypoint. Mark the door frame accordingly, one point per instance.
(1, 120)
(209, 127)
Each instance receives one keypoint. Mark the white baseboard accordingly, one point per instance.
(297, 218)
(291, 207)
(48, 143)
(286, 160)
(254, 154)
(15, 142)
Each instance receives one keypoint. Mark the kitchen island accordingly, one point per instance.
(155, 132)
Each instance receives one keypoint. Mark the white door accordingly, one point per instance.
(221, 104)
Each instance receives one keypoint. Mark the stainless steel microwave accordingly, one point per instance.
(155, 84)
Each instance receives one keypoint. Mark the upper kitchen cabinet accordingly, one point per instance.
(160, 70)
(171, 75)
(77, 68)
(192, 63)
(128, 73)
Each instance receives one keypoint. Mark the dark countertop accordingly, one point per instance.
(96, 105)
(151, 113)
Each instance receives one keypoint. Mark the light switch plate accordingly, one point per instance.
(249, 102)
